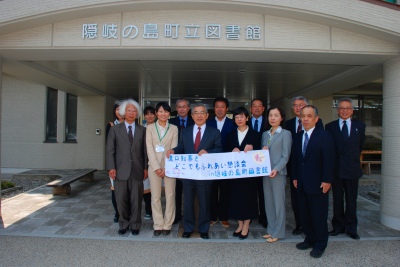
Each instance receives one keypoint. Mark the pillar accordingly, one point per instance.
(390, 187)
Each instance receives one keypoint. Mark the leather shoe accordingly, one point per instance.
(354, 236)
(303, 246)
(298, 230)
(186, 234)
(237, 234)
(225, 224)
(166, 232)
(116, 219)
(135, 231)
(241, 237)
(122, 231)
(335, 232)
(157, 232)
(204, 235)
(316, 253)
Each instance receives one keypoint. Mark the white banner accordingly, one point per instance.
(216, 166)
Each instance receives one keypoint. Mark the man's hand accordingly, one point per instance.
(325, 187)
(201, 152)
(146, 174)
(248, 148)
(112, 173)
(273, 173)
(236, 149)
(169, 152)
(295, 183)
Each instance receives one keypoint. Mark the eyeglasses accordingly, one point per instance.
(199, 113)
(298, 106)
(345, 109)
(181, 106)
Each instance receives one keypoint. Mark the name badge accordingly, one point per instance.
(160, 148)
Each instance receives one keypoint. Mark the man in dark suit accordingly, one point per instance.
(257, 123)
(181, 121)
(313, 164)
(126, 162)
(349, 138)
(294, 126)
(220, 188)
(197, 139)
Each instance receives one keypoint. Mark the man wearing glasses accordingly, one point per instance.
(197, 139)
(181, 121)
(294, 126)
(349, 137)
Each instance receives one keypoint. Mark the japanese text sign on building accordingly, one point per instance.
(216, 166)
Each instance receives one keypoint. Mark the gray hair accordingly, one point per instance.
(199, 105)
(345, 99)
(182, 99)
(302, 98)
(310, 106)
(127, 102)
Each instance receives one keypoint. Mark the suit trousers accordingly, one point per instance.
(274, 196)
(178, 199)
(314, 216)
(219, 200)
(294, 200)
(345, 218)
(203, 191)
(261, 202)
(162, 222)
(129, 196)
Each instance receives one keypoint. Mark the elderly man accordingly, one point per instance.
(312, 174)
(181, 121)
(349, 137)
(126, 162)
(220, 188)
(294, 126)
(197, 139)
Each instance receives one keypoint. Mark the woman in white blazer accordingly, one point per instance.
(279, 143)
(161, 136)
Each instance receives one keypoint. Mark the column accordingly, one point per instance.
(390, 187)
(1, 99)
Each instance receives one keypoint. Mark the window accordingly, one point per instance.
(51, 115)
(70, 121)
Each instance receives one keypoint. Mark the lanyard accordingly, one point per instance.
(161, 138)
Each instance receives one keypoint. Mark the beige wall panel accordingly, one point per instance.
(349, 41)
(91, 147)
(325, 110)
(189, 17)
(40, 36)
(70, 33)
(294, 34)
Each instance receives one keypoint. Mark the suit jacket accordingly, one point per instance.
(263, 126)
(252, 138)
(279, 149)
(177, 122)
(120, 155)
(347, 163)
(317, 164)
(228, 126)
(170, 140)
(291, 125)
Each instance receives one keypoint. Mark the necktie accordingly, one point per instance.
(130, 135)
(345, 131)
(197, 140)
(182, 123)
(256, 125)
(305, 143)
(299, 128)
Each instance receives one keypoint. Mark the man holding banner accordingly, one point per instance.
(197, 139)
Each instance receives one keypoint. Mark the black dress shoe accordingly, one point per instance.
(186, 234)
(204, 235)
(303, 246)
(298, 230)
(116, 219)
(157, 232)
(354, 236)
(316, 253)
(122, 231)
(335, 232)
(241, 237)
(237, 234)
(135, 231)
(166, 232)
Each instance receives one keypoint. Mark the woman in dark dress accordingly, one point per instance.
(243, 191)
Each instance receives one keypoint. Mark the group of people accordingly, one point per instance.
(300, 148)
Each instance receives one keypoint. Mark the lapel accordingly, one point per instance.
(311, 142)
(203, 140)
(135, 135)
(274, 138)
(124, 133)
